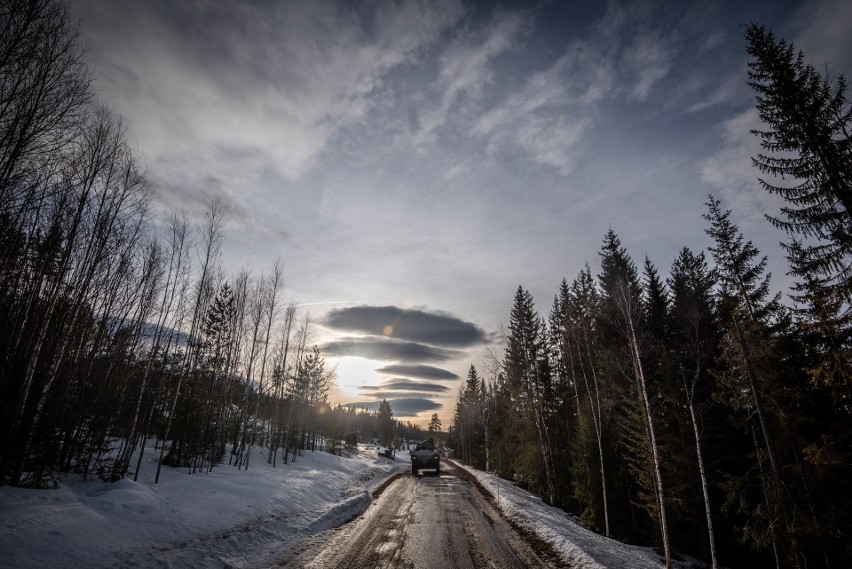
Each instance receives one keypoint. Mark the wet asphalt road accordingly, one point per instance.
(419, 523)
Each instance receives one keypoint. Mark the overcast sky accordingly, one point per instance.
(413, 163)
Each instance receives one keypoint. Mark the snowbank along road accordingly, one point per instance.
(423, 522)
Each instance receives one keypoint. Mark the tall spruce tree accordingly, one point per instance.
(807, 140)
(565, 391)
(808, 154)
(509, 428)
(527, 369)
(386, 423)
(469, 420)
(751, 314)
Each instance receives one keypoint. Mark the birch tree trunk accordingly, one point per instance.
(595, 408)
(690, 401)
(627, 313)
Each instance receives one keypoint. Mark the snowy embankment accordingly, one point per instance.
(580, 547)
(227, 518)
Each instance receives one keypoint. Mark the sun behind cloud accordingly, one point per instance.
(354, 372)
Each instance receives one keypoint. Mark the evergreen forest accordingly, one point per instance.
(699, 412)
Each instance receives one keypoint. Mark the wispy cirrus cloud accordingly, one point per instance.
(465, 66)
(730, 171)
(647, 59)
(638, 40)
(824, 34)
(622, 56)
(729, 90)
(544, 117)
(254, 86)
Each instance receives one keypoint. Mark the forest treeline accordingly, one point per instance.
(699, 412)
(115, 328)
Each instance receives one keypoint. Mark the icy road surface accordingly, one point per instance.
(423, 522)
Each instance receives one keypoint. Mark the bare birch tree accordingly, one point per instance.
(211, 243)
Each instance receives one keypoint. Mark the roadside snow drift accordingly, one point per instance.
(578, 546)
(227, 518)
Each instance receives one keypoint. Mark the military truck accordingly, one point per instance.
(425, 457)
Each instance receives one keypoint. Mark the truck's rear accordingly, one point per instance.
(425, 457)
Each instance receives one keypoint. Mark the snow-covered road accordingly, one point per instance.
(421, 523)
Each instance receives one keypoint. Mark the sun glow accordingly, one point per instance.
(354, 372)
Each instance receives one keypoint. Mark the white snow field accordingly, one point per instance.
(228, 518)
(237, 518)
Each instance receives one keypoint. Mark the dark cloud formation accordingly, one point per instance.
(407, 385)
(390, 395)
(418, 370)
(411, 406)
(387, 349)
(407, 397)
(435, 328)
(402, 407)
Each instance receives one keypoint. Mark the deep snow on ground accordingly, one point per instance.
(244, 518)
(580, 547)
(227, 518)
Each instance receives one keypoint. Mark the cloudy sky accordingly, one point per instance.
(414, 162)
